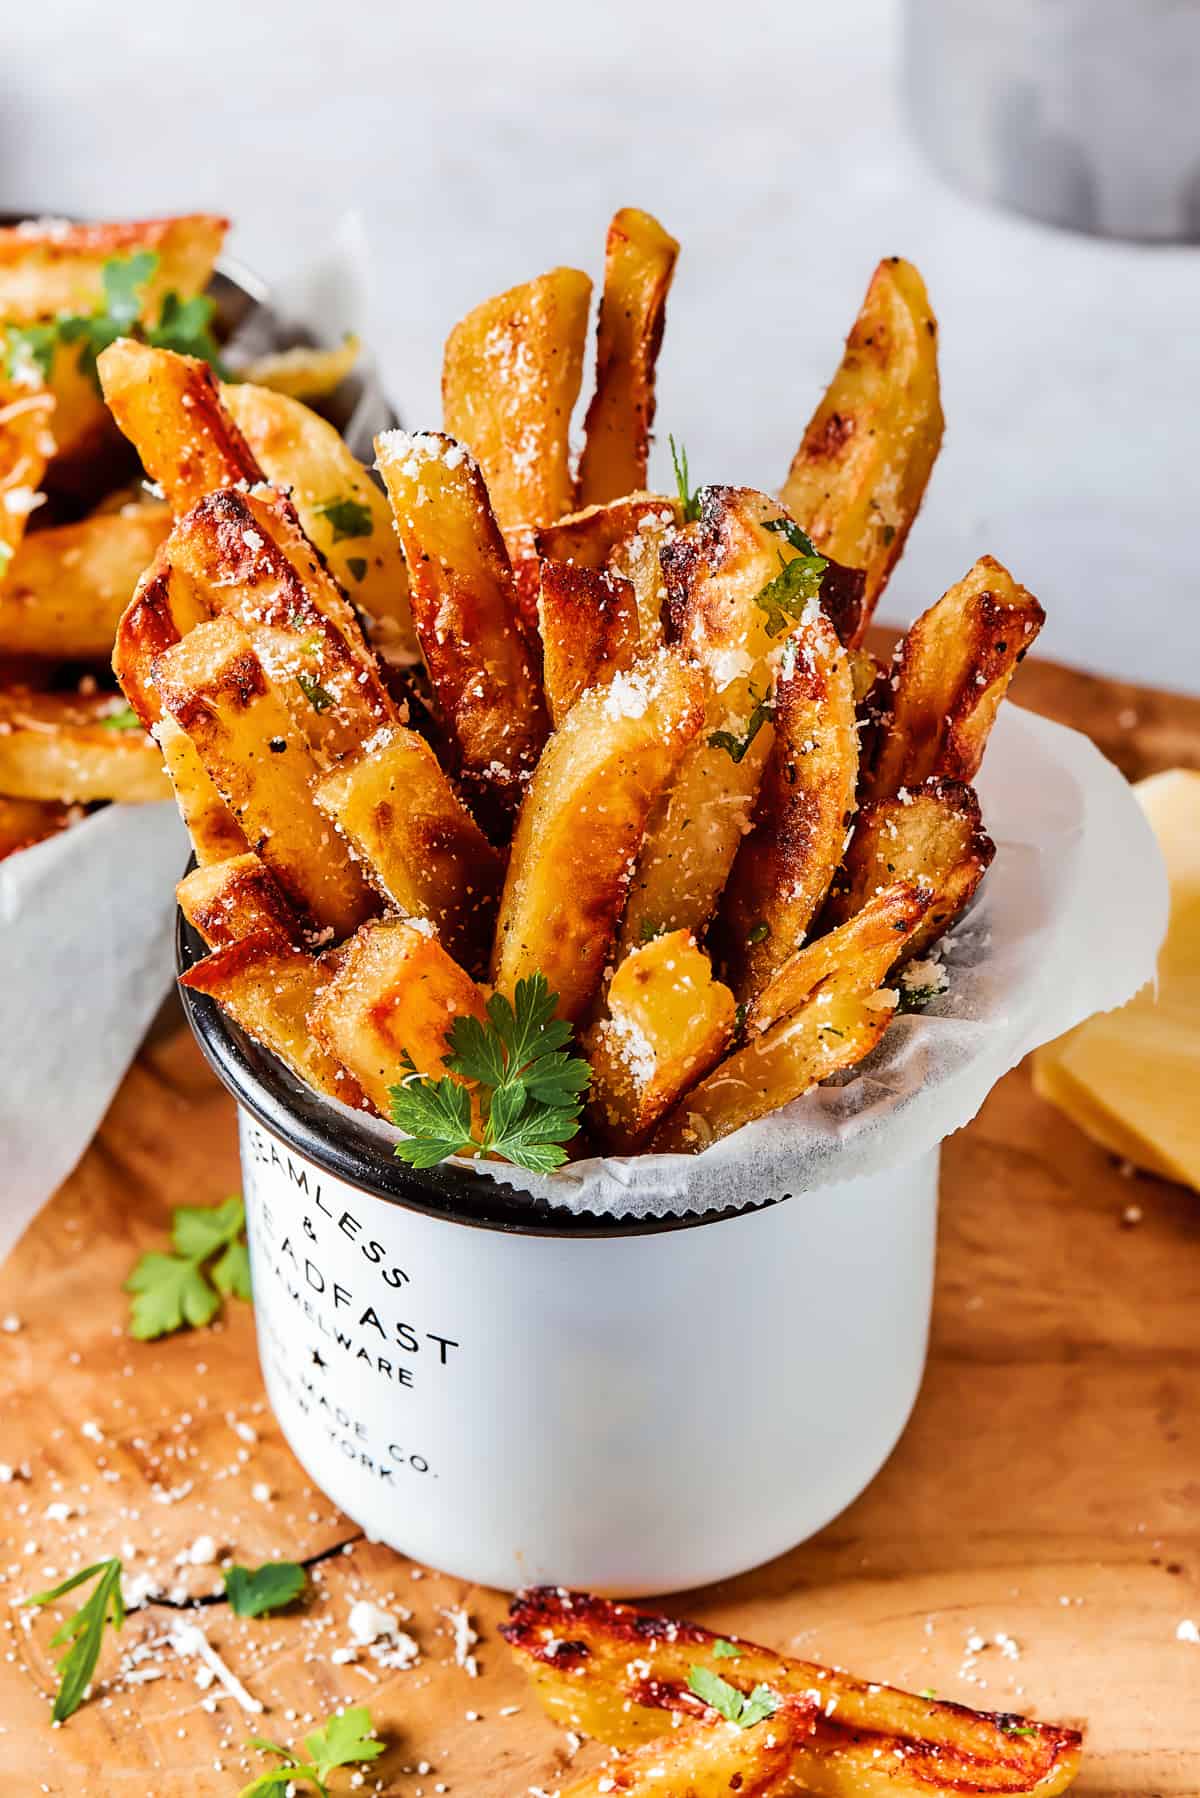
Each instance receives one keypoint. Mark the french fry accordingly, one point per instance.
(582, 822)
(73, 748)
(340, 507)
(26, 445)
(247, 557)
(832, 1029)
(215, 832)
(782, 870)
(24, 822)
(953, 668)
(68, 586)
(417, 840)
(465, 612)
(164, 606)
(395, 995)
(728, 611)
(933, 835)
(269, 989)
(860, 472)
(638, 265)
(217, 691)
(170, 409)
(615, 1673)
(231, 900)
(859, 953)
(509, 384)
(666, 1022)
(625, 537)
(48, 266)
(770, 1759)
(304, 372)
(589, 632)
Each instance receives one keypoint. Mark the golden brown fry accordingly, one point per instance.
(231, 900)
(215, 832)
(667, 1021)
(860, 472)
(638, 264)
(589, 632)
(269, 990)
(340, 507)
(932, 835)
(246, 555)
(509, 384)
(395, 995)
(24, 822)
(417, 840)
(782, 870)
(48, 266)
(75, 748)
(304, 372)
(67, 587)
(218, 692)
(613, 1673)
(164, 606)
(588, 538)
(953, 668)
(859, 952)
(712, 1759)
(582, 823)
(170, 409)
(26, 445)
(465, 612)
(832, 1029)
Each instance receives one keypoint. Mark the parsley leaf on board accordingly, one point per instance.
(734, 746)
(529, 1088)
(734, 1706)
(343, 1741)
(348, 518)
(83, 1632)
(175, 1291)
(689, 499)
(253, 1591)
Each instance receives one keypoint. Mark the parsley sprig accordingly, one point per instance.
(345, 1740)
(744, 1709)
(123, 719)
(689, 497)
(784, 598)
(83, 1632)
(734, 746)
(528, 1088)
(186, 1288)
(254, 1591)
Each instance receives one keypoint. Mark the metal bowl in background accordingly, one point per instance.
(1079, 112)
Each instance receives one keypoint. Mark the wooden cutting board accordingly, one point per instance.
(1046, 1492)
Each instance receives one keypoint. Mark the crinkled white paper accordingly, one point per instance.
(1068, 922)
(87, 916)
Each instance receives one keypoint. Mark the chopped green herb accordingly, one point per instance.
(916, 998)
(357, 566)
(175, 1291)
(125, 719)
(185, 326)
(30, 352)
(254, 1591)
(927, 1692)
(348, 518)
(734, 746)
(760, 932)
(789, 529)
(648, 930)
(83, 1632)
(726, 1651)
(740, 1014)
(1010, 1727)
(346, 1740)
(318, 697)
(784, 598)
(529, 1088)
(689, 500)
(734, 1706)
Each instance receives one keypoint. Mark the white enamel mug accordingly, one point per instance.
(519, 1395)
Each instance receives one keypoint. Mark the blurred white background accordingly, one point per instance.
(482, 143)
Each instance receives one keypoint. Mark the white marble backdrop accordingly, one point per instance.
(483, 142)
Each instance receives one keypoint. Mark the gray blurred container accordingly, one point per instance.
(1085, 113)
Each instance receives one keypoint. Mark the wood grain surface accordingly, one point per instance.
(1047, 1490)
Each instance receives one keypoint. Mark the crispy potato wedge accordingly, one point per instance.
(667, 1020)
(582, 823)
(67, 587)
(953, 668)
(170, 409)
(49, 266)
(612, 1672)
(465, 612)
(729, 612)
(246, 555)
(304, 372)
(215, 832)
(859, 953)
(164, 606)
(782, 870)
(26, 445)
(832, 1029)
(269, 989)
(396, 994)
(417, 840)
(510, 380)
(860, 472)
(75, 748)
(711, 1759)
(639, 261)
(24, 822)
(340, 507)
(589, 629)
(589, 537)
(932, 835)
(218, 692)
(231, 900)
